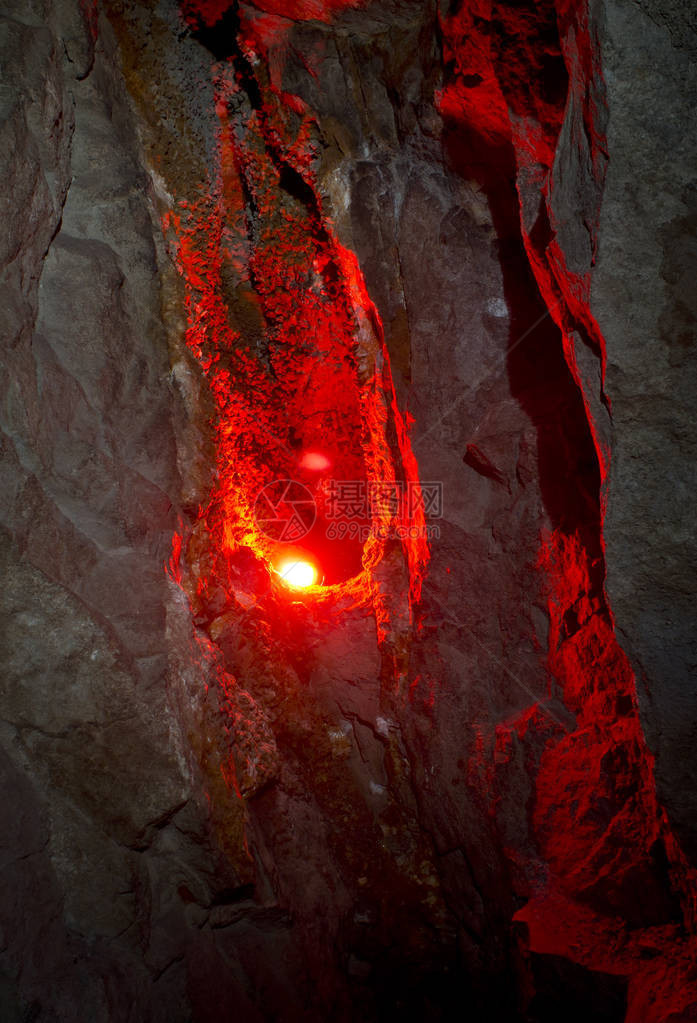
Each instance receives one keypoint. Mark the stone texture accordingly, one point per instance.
(643, 300)
(218, 805)
(106, 820)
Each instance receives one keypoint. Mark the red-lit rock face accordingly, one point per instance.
(597, 822)
(594, 819)
(313, 374)
(369, 238)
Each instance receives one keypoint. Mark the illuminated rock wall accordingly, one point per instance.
(445, 249)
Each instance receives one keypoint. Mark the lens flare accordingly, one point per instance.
(298, 574)
(315, 461)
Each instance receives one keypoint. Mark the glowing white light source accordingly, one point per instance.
(298, 574)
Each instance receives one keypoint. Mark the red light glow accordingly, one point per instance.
(314, 461)
(321, 401)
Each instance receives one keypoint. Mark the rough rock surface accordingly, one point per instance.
(643, 299)
(104, 818)
(217, 804)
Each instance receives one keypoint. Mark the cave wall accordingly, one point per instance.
(99, 802)
(645, 263)
(282, 814)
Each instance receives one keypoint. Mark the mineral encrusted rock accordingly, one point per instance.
(207, 816)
